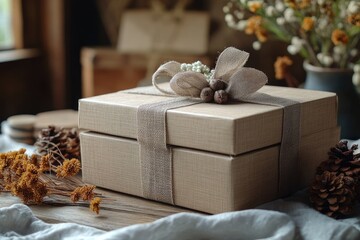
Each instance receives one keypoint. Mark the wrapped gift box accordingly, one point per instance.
(225, 157)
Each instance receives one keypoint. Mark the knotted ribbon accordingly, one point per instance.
(156, 156)
(241, 81)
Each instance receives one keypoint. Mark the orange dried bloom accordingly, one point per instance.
(308, 24)
(85, 192)
(44, 164)
(354, 19)
(5, 163)
(261, 35)
(31, 168)
(297, 4)
(253, 24)
(339, 37)
(22, 168)
(21, 156)
(8, 179)
(281, 64)
(254, 27)
(21, 151)
(34, 159)
(40, 191)
(68, 168)
(28, 179)
(254, 6)
(8, 187)
(18, 167)
(24, 177)
(75, 195)
(95, 205)
(25, 193)
(291, 3)
(304, 3)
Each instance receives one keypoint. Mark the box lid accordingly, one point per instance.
(232, 128)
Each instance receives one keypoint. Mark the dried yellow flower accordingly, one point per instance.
(27, 178)
(261, 35)
(75, 195)
(304, 3)
(254, 6)
(253, 24)
(44, 164)
(95, 205)
(40, 191)
(85, 192)
(291, 3)
(281, 64)
(254, 27)
(8, 179)
(8, 187)
(25, 193)
(354, 19)
(307, 24)
(5, 163)
(17, 166)
(339, 37)
(68, 168)
(34, 159)
(31, 168)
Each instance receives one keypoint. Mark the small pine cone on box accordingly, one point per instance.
(61, 143)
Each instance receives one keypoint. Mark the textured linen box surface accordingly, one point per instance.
(225, 157)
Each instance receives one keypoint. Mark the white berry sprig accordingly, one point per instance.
(198, 67)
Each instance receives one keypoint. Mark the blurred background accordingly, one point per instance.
(54, 52)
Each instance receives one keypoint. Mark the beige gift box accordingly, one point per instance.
(225, 157)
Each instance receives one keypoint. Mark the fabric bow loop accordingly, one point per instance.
(245, 82)
(188, 83)
(229, 61)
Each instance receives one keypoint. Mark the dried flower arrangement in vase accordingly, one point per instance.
(325, 33)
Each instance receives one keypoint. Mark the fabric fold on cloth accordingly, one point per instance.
(290, 218)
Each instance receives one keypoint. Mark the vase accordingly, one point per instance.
(338, 81)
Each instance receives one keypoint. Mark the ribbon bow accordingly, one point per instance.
(240, 81)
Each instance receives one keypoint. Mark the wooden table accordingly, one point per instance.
(120, 210)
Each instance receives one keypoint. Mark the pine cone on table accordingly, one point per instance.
(336, 186)
(332, 194)
(72, 144)
(62, 143)
(342, 159)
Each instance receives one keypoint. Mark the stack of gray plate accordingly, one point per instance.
(19, 128)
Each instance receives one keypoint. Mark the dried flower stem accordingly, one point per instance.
(30, 178)
(310, 50)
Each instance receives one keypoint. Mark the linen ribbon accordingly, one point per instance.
(156, 156)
